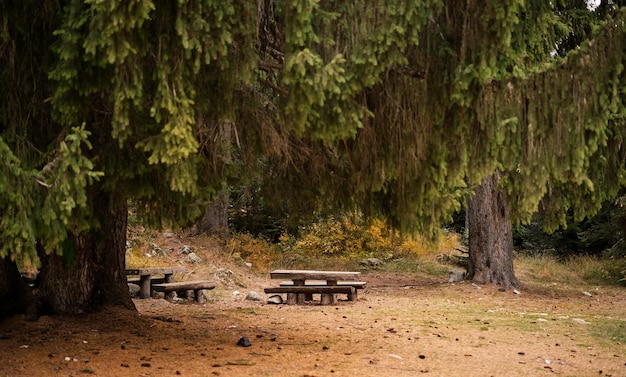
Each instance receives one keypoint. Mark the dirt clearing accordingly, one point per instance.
(401, 326)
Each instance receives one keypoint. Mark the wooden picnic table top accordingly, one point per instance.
(155, 270)
(315, 275)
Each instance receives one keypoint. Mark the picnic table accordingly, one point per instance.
(146, 277)
(305, 283)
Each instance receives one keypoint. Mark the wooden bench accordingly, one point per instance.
(137, 281)
(321, 283)
(299, 291)
(326, 291)
(146, 277)
(197, 287)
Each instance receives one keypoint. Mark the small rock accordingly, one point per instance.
(588, 294)
(394, 356)
(253, 296)
(372, 262)
(244, 342)
(581, 321)
(516, 292)
(186, 250)
(476, 286)
(275, 299)
(168, 234)
(502, 289)
(156, 250)
(456, 276)
(133, 289)
(193, 258)
(227, 277)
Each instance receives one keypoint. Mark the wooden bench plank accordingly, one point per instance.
(152, 281)
(198, 287)
(315, 275)
(322, 283)
(326, 291)
(310, 289)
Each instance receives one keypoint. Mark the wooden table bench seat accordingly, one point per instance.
(137, 281)
(324, 290)
(147, 279)
(323, 283)
(197, 286)
(303, 284)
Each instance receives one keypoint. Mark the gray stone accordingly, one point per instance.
(133, 289)
(456, 276)
(371, 262)
(275, 299)
(253, 296)
(244, 342)
(227, 277)
(186, 250)
(156, 250)
(193, 258)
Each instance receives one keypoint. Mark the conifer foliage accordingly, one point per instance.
(398, 108)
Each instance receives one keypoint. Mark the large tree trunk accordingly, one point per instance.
(490, 236)
(91, 271)
(215, 219)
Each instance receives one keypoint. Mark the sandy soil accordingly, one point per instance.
(401, 326)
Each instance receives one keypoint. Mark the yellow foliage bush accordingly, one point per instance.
(350, 237)
(246, 248)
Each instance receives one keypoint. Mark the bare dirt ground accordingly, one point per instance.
(400, 326)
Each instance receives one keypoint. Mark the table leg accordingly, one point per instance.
(329, 298)
(144, 286)
(300, 297)
(169, 278)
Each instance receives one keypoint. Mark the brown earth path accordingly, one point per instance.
(401, 326)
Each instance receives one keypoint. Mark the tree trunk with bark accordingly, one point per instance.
(490, 236)
(91, 272)
(215, 219)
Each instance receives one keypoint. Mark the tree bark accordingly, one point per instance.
(91, 272)
(490, 236)
(215, 219)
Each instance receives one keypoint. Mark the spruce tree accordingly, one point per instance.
(398, 108)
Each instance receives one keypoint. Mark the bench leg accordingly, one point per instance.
(169, 278)
(328, 298)
(144, 286)
(300, 297)
(292, 298)
(352, 296)
(199, 293)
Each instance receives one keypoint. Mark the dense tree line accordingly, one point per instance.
(400, 109)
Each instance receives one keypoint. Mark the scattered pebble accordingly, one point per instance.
(244, 342)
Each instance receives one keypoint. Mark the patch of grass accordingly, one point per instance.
(596, 270)
(544, 269)
(578, 270)
(609, 331)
